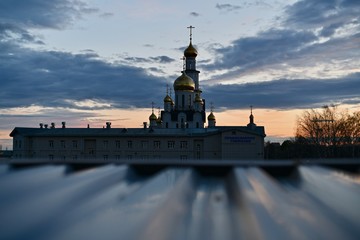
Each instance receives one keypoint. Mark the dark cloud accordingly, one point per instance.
(194, 14)
(286, 94)
(227, 7)
(327, 14)
(158, 59)
(51, 78)
(42, 14)
(298, 42)
(17, 17)
(163, 59)
(266, 48)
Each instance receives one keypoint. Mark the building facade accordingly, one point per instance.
(179, 132)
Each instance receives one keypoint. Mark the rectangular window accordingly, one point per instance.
(75, 157)
(19, 143)
(62, 144)
(117, 144)
(130, 144)
(106, 157)
(51, 143)
(157, 144)
(106, 144)
(144, 144)
(183, 157)
(129, 157)
(51, 157)
(75, 144)
(183, 144)
(171, 144)
(117, 157)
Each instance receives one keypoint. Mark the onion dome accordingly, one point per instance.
(190, 51)
(198, 99)
(184, 82)
(211, 117)
(168, 99)
(152, 117)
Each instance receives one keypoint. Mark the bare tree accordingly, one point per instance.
(328, 128)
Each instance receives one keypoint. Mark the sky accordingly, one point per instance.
(88, 62)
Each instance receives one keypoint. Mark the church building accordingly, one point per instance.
(181, 131)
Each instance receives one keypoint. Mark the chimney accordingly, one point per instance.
(41, 125)
(52, 125)
(145, 125)
(46, 125)
(63, 124)
(108, 124)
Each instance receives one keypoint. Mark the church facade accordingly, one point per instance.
(181, 131)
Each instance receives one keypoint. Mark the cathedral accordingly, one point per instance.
(181, 131)
(188, 110)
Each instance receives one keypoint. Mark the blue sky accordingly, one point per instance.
(84, 61)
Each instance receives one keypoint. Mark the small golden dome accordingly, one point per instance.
(152, 117)
(167, 99)
(184, 82)
(198, 98)
(211, 117)
(190, 51)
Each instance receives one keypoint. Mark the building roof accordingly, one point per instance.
(112, 132)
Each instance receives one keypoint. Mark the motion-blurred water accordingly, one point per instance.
(116, 202)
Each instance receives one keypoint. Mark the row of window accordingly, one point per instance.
(144, 144)
(116, 157)
(17, 144)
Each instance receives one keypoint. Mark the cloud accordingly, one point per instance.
(268, 47)
(163, 59)
(298, 43)
(227, 7)
(329, 15)
(17, 18)
(194, 14)
(43, 14)
(286, 94)
(157, 59)
(55, 79)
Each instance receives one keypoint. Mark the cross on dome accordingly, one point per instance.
(190, 27)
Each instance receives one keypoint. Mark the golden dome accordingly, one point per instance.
(211, 117)
(167, 99)
(190, 51)
(184, 82)
(198, 98)
(152, 117)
